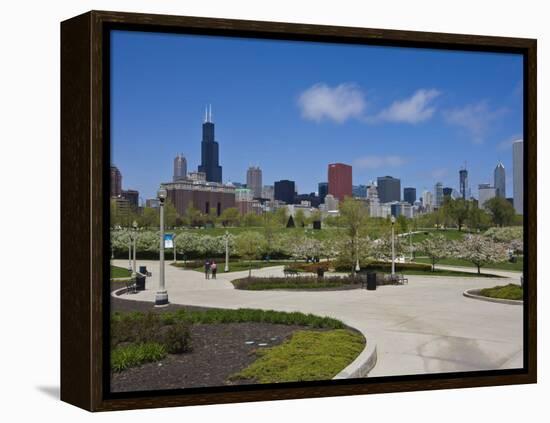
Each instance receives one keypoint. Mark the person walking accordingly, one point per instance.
(207, 269)
(214, 268)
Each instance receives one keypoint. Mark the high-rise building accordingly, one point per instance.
(389, 189)
(463, 183)
(448, 192)
(331, 202)
(427, 200)
(210, 151)
(268, 192)
(254, 181)
(517, 162)
(323, 191)
(285, 191)
(116, 182)
(359, 191)
(409, 195)
(486, 192)
(438, 195)
(500, 180)
(339, 180)
(207, 197)
(180, 168)
(132, 196)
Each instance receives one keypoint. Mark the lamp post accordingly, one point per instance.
(392, 246)
(357, 267)
(130, 251)
(226, 251)
(161, 297)
(134, 237)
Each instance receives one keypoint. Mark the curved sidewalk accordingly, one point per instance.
(427, 326)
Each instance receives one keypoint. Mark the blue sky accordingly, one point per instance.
(293, 107)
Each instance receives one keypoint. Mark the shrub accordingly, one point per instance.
(382, 266)
(132, 355)
(308, 267)
(176, 338)
(295, 282)
(507, 292)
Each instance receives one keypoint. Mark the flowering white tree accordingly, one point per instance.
(382, 248)
(436, 247)
(480, 251)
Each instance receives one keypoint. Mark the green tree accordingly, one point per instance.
(230, 217)
(149, 218)
(250, 246)
(477, 219)
(170, 214)
(252, 219)
(456, 210)
(300, 218)
(501, 211)
(193, 216)
(353, 218)
(281, 216)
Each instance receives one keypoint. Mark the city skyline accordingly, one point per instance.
(333, 114)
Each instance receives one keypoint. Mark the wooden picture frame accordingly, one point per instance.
(84, 207)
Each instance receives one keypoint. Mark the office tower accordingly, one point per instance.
(359, 191)
(409, 195)
(285, 191)
(486, 192)
(500, 180)
(254, 181)
(339, 180)
(427, 200)
(180, 168)
(116, 182)
(132, 196)
(463, 183)
(323, 191)
(210, 151)
(268, 192)
(438, 195)
(389, 189)
(448, 192)
(331, 202)
(517, 163)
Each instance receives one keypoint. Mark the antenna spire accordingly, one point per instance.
(206, 114)
(210, 113)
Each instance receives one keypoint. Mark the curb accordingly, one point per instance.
(362, 365)
(474, 293)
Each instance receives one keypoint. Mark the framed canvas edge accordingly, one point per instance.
(82, 313)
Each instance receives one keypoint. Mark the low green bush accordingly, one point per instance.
(505, 292)
(125, 356)
(233, 316)
(295, 282)
(308, 267)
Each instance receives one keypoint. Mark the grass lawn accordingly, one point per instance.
(517, 266)
(307, 355)
(238, 266)
(120, 272)
(506, 292)
(443, 272)
(449, 234)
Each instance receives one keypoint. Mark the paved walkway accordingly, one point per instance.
(426, 326)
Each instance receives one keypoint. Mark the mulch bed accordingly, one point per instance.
(218, 351)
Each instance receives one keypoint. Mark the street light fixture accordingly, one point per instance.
(134, 238)
(392, 246)
(226, 251)
(161, 297)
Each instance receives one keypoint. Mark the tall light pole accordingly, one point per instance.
(392, 246)
(161, 297)
(226, 251)
(134, 237)
(357, 267)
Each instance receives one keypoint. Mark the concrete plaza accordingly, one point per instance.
(426, 326)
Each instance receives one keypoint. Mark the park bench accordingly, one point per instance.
(290, 272)
(131, 286)
(398, 278)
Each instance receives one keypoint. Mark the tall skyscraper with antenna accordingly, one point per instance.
(500, 180)
(210, 150)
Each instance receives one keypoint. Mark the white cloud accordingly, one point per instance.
(475, 118)
(339, 103)
(414, 109)
(376, 162)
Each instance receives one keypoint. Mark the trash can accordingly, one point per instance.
(143, 270)
(320, 272)
(140, 282)
(371, 281)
